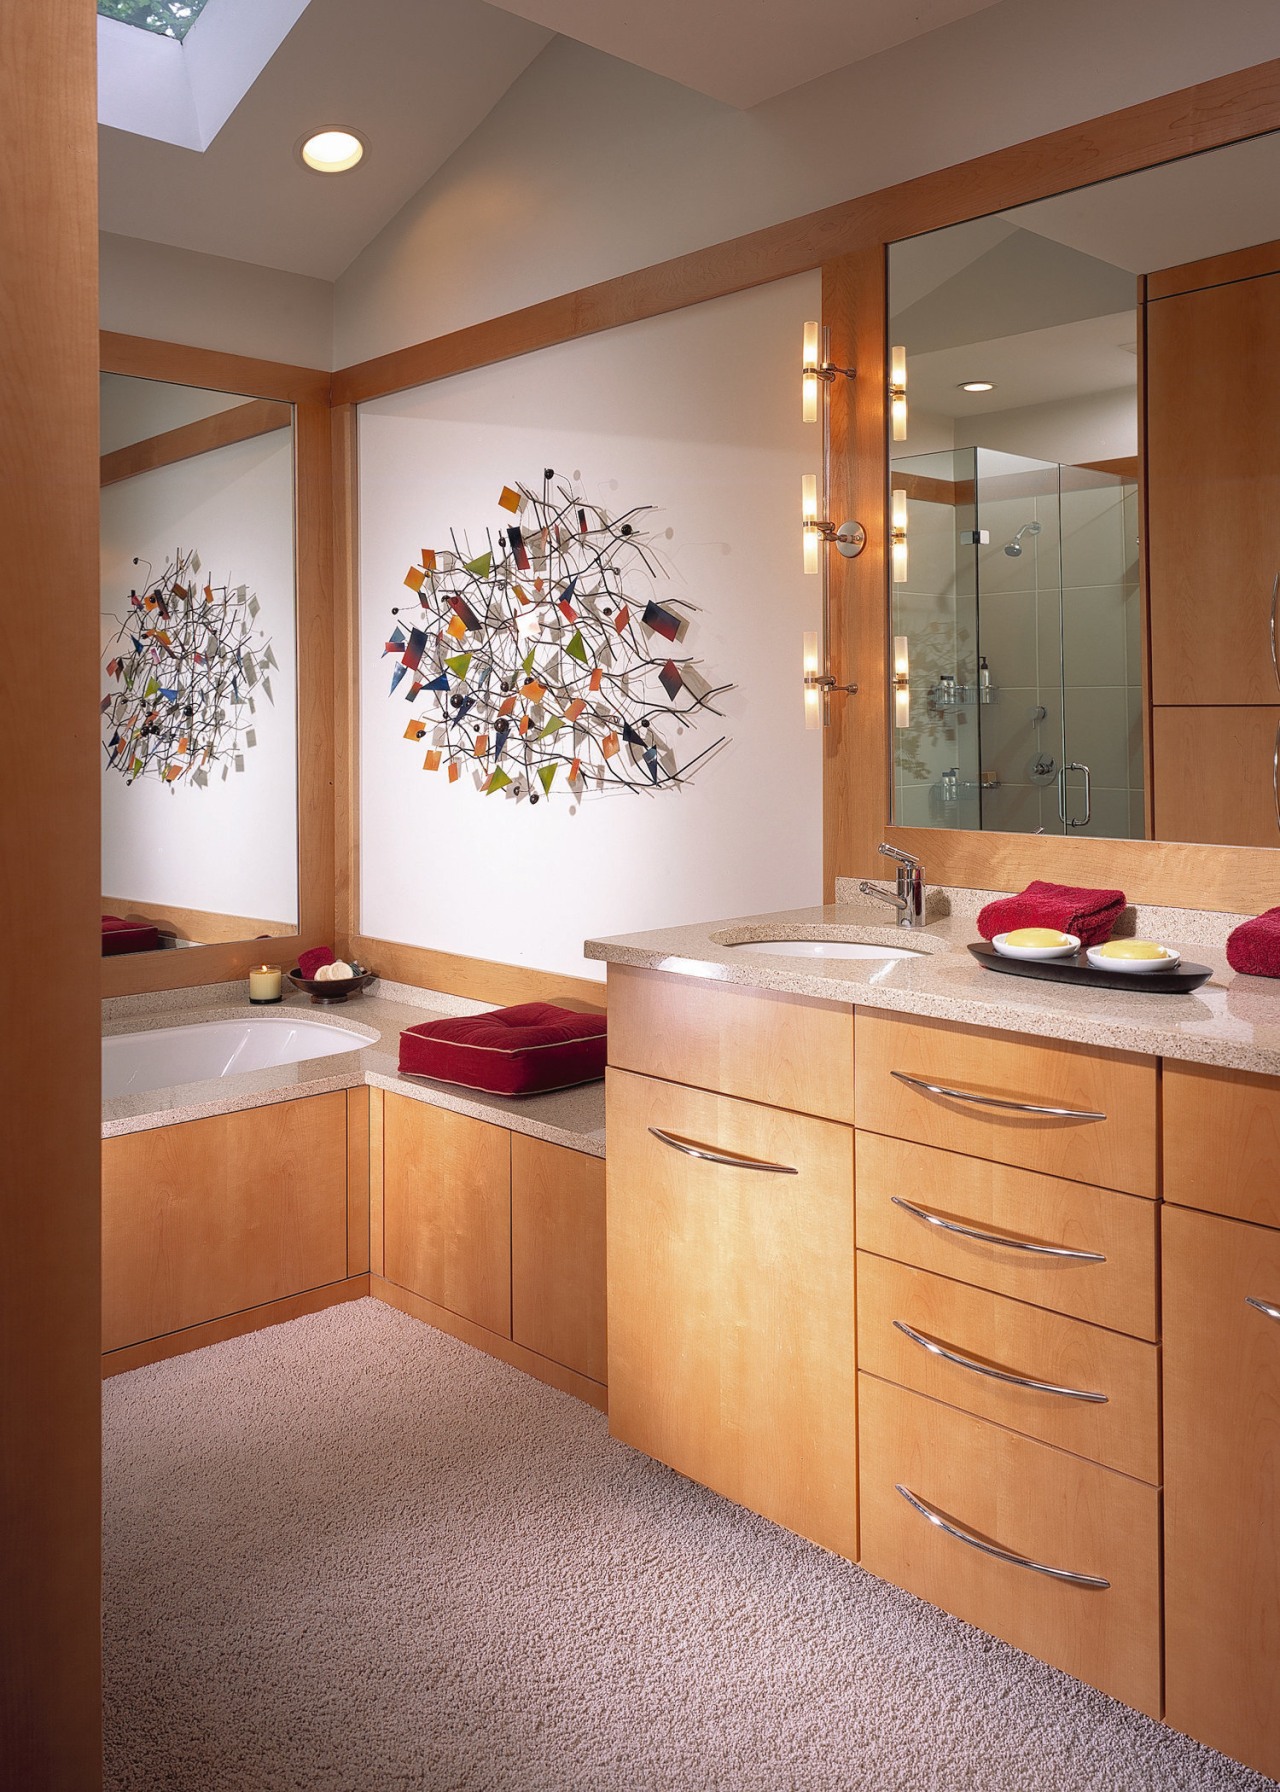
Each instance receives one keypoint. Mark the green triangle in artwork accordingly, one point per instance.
(498, 781)
(576, 649)
(545, 774)
(527, 663)
(481, 567)
(458, 664)
(552, 727)
(153, 688)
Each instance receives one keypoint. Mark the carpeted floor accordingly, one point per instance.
(351, 1554)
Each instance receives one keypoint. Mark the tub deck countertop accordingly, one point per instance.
(570, 1117)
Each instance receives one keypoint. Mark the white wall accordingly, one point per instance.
(230, 848)
(1094, 426)
(697, 413)
(590, 168)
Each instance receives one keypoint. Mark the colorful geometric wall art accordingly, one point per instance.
(186, 664)
(542, 663)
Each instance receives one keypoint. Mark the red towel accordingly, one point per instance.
(309, 962)
(1254, 947)
(1089, 914)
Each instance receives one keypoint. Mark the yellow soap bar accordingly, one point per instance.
(1132, 949)
(1036, 936)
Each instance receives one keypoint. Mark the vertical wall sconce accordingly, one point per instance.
(814, 687)
(898, 537)
(810, 375)
(901, 683)
(817, 371)
(809, 515)
(898, 393)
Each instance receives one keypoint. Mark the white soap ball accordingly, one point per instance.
(340, 969)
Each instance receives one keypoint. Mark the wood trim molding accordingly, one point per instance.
(1243, 104)
(235, 1325)
(1215, 270)
(346, 676)
(132, 973)
(202, 925)
(479, 979)
(259, 417)
(146, 359)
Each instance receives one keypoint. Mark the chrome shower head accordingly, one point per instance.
(1014, 548)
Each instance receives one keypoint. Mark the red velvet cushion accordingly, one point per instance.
(512, 1051)
(127, 936)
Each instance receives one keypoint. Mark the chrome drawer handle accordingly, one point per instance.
(1009, 1244)
(1016, 1381)
(693, 1149)
(1275, 594)
(989, 1549)
(1275, 776)
(1263, 1306)
(994, 1101)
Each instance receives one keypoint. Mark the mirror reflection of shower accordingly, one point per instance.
(1014, 548)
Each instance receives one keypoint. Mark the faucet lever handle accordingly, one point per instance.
(903, 858)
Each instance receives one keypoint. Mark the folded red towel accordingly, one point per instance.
(1089, 914)
(509, 1051)
(1254, 948)
(309, 962)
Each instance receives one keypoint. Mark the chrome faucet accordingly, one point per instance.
(909, 900)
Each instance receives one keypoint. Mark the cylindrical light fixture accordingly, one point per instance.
(901, 682)
(809, 375)
(898, 537)
(898, 393)
(812, 684)
(809, 513)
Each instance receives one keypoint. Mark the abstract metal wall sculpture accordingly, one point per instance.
(187, 663)
(538, 659)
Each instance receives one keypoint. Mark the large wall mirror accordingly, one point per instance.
(199, 692)
(1083, 609)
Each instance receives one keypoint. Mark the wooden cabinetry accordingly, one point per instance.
(1214, 775)
(1222, 1483)
(213, 1217)
(731, 1314)
(493, 1236)
(1222, 1141)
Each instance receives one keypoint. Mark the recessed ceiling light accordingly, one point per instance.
(977, 385)
(332, 151)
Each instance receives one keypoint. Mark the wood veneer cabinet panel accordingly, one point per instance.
(1028, 1500)
(446, 1210)
(731, 1314)
(1015, 1208)
(1222, 1485)
(212, 1216)
(558, 1254)
(760, 1044)
(1213, 774)
(1213, 492)
(1116, 1151)
(1008, 1338)
(1222, 1141)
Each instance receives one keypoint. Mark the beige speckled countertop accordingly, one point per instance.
(569, 1117)
(1231, 1021)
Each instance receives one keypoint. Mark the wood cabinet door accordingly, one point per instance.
(558, 1254)
(1214, 775)
(446, 1210)
(1222, 1141)
(1222, 1484)
(214, 1216)
(1213, 492)
(731, 1318)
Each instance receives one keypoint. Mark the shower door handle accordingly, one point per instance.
(1076, 765)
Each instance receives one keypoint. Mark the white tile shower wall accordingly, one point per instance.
(696, 413)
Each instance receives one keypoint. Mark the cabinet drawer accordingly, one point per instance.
(989, 1091)
(1003, 1345)
(1084, 1251)
(731, 1320)
(557, 1254)
(1025, 1500)
(760, 1044)
(1222, 1142)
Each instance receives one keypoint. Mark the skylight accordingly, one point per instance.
(167, 18)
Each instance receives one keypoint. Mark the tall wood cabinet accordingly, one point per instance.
(1212, 374)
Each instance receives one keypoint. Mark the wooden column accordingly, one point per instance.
(49, 879)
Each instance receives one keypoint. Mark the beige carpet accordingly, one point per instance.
(349, 1553)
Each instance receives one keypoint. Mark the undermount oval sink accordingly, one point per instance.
(823, 949)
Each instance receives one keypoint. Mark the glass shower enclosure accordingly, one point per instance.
(1018, 628)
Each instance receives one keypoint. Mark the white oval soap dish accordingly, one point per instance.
(1140, 967)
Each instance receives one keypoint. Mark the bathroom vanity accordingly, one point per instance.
(972, 1280)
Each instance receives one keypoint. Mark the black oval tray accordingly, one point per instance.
(1178, 982)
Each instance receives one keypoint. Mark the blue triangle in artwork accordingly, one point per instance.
(436, 684)
(397, 674)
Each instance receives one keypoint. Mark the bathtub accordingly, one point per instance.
(164, 1056)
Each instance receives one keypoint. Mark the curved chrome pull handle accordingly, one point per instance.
(1275, 596)
(989, 1549)
(1263, 1306)
(1008, 1244)
(1078, 765)
(692, 1148)
(1275, 775)
(994, 1101)
(1015, 1381)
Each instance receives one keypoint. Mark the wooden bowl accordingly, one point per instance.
(332, 991)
